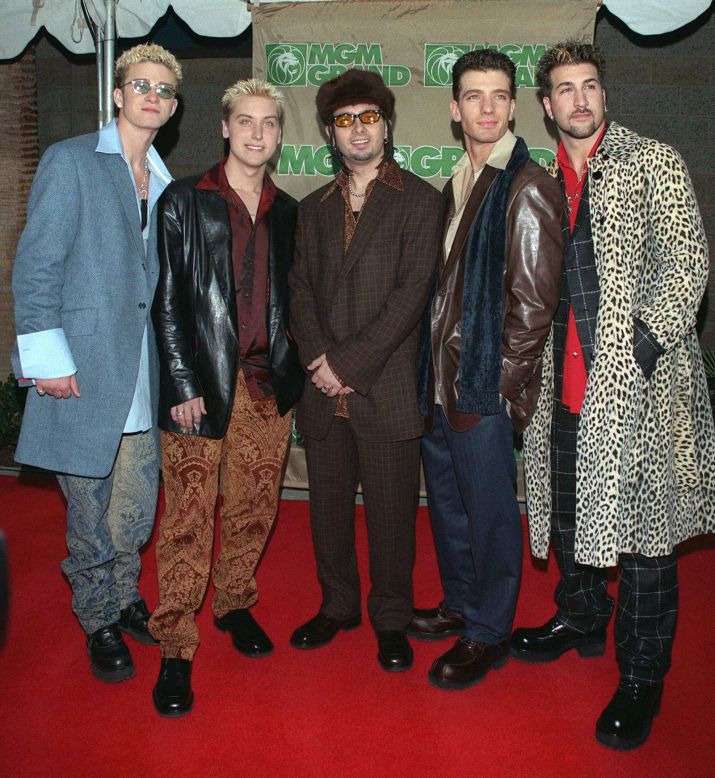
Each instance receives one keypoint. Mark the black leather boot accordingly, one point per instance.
(172, 695)
(627, 719)
(109, 656)
(134, 620)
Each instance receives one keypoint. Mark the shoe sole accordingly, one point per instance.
(458, 686)
(114, 676)
(432, 637)
(585, 651)
(146, 640)
(174, 714)
(246, 652)
(344, 628)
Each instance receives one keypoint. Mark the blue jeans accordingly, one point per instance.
(471, 490)
(108, 521)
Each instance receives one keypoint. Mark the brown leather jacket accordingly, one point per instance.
(532, 275)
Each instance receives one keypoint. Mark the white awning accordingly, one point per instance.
(21, 20)
(655, 17)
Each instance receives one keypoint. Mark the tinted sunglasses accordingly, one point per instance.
(370, 116)
(142, 87)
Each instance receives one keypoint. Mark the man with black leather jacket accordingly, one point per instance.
(229, 377)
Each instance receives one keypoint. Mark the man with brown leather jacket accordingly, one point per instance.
(480, 366)
(229, 377)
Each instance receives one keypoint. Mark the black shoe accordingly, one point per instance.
(466, 663)
(246, 633)
(134, 620)
(544, 644)
(627, 719)
(435, 623)
(172, 694)
(109, 656)
(394, 651)
(320, 630)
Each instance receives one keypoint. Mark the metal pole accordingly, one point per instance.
(99, 52)
(108, 64)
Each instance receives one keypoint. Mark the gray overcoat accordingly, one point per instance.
(81, 266)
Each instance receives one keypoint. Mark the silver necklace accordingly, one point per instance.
(143, 190)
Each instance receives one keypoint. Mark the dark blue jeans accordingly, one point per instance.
(471, 489)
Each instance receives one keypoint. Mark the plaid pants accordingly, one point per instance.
(108, 521)
(389, 473)
(648, 589)
(246, 467)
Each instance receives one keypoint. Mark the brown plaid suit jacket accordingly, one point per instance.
(362, 308)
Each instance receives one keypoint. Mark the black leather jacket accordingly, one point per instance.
(195, 306)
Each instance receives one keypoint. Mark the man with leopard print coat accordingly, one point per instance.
(620, 454)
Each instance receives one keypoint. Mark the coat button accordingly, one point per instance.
(142, 306)
(597, 175)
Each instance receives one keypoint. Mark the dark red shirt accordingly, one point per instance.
(249, 255)
(575, 376)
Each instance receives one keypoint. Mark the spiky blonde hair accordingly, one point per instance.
(146, 52)
(250, 87)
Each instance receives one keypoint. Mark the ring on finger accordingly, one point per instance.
(179, 413)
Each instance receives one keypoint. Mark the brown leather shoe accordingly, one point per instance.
(466, 663)
(435, 623)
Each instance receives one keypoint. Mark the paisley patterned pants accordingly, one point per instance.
(108, 521)
(245, 469)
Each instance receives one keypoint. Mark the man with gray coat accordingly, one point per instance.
(84, 278)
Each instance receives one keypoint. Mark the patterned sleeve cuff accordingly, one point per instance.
(646, 348)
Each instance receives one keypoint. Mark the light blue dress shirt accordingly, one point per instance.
(47, 354)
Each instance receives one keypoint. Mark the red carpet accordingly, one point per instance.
(329, 712)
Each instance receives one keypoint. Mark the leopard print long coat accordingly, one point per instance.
(646, 449)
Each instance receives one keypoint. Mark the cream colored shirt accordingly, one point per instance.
(464, 178)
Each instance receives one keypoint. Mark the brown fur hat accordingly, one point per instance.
(351, 87)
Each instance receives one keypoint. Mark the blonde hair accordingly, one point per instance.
(146, 52)
(250, 87)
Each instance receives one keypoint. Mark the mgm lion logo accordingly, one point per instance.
(286, 64)
(401, 158)
(439, 60)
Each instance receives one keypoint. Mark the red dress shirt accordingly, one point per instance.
(575, 376)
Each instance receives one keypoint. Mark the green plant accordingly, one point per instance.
(12, 404)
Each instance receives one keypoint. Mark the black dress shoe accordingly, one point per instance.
(544, 644)
(246, 633)
(109, 656)
(320, 630)
(394, 651)
(134, 620)
(435, 623)
(466, 663)
(627, 719)
(172, 694)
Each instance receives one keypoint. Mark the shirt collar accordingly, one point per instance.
(562, 157)
(110, 142)
(388, 173)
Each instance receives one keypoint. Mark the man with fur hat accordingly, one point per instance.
(366, 246)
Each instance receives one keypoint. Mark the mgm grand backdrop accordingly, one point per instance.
(413, 46)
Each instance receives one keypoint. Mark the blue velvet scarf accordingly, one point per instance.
(482, 301)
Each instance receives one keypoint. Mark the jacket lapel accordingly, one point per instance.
(117, 169)
(216, 227)
(474, 202)
(364, 231)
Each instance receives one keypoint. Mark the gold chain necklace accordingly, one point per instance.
(350, 188)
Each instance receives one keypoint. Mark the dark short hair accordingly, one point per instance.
(570, 52)
(483, 59)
